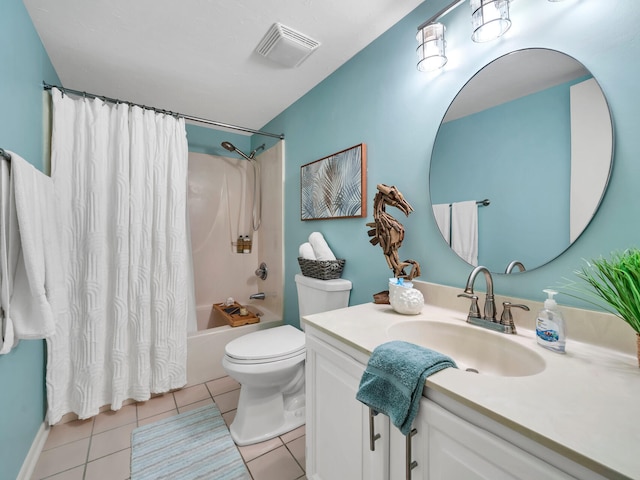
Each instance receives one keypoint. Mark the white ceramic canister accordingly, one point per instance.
(404, 298)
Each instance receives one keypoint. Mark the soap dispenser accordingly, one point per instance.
(550, 327)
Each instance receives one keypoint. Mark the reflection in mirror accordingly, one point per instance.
(532, 133)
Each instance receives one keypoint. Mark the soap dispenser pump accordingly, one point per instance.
(550, 327)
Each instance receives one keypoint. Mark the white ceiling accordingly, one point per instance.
(197, 57)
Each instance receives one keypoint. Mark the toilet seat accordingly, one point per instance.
(266, 346)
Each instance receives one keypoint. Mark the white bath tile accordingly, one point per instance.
(293, 434)
(277, 464)
(193, 406)
(229, 417)
(155, 418)
(110, 419)
(156, 405)
(62, 433)
(60, 459)
(111, 441)
(191, 395)
(73, 474)
(297, 449)
(222, 385)
(111, 467)
(227, 401)
(249, 452)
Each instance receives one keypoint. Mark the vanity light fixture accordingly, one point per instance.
(490, 19)
(431, 47)
(431, 41)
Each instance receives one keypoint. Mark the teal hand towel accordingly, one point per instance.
(393, 380)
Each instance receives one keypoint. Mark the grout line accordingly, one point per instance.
(294, 457)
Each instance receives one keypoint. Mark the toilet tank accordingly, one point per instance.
(315, 296)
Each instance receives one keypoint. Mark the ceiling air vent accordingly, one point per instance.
(285, 46)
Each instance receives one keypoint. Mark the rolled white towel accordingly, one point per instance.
(306, 251)
(320, 247)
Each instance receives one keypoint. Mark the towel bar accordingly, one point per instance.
(410, 464)
(372, 435)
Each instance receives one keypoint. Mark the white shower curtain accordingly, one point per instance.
(120, 176)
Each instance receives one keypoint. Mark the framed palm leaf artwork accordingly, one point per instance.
(335, 186)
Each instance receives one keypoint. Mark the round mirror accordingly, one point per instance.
(529, 140)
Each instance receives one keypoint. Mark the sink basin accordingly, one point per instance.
(472, 348)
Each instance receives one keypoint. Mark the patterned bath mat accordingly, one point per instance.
(193, 445)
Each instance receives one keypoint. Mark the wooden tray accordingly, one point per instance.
(231, 314)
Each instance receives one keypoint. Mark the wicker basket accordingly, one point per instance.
(321, 269)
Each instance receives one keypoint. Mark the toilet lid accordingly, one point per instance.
(265, 344)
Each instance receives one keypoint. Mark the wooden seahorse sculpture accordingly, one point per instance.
(389, 233)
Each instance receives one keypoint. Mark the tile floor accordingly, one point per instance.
(100, 448)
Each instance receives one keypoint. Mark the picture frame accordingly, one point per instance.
(335, 186)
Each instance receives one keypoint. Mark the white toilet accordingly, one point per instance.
(269, 365)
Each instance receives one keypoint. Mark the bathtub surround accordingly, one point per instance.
(220, 210)
(120, 175)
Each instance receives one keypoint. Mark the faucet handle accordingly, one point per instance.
(506, 318)
(474, 310)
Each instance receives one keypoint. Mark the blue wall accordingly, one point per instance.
(381, 99)
(24, 65)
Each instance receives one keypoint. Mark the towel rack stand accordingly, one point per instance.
(4, 154)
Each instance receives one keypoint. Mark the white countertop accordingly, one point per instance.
(584, 405)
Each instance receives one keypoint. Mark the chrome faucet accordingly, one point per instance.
(506, 324)
(514, 264)
(489, 302)
(257, 296)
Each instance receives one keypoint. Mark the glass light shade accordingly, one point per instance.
(431, 47)
(490, 19)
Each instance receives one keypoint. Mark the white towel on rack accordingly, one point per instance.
(464, 230)
(38, 286)
(8, 240)
(442, 212)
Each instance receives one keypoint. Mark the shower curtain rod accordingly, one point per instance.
(46, 86)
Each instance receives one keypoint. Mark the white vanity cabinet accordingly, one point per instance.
(447, 446)
(337, 428)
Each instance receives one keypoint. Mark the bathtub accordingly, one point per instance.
(205, 348)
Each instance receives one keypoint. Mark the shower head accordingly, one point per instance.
(229, 146)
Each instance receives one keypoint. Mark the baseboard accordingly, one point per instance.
(29, 464)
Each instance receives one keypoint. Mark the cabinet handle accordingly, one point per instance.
(373, 436)
(410, 464)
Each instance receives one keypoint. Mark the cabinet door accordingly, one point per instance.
(456, 448)
(337, 430)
